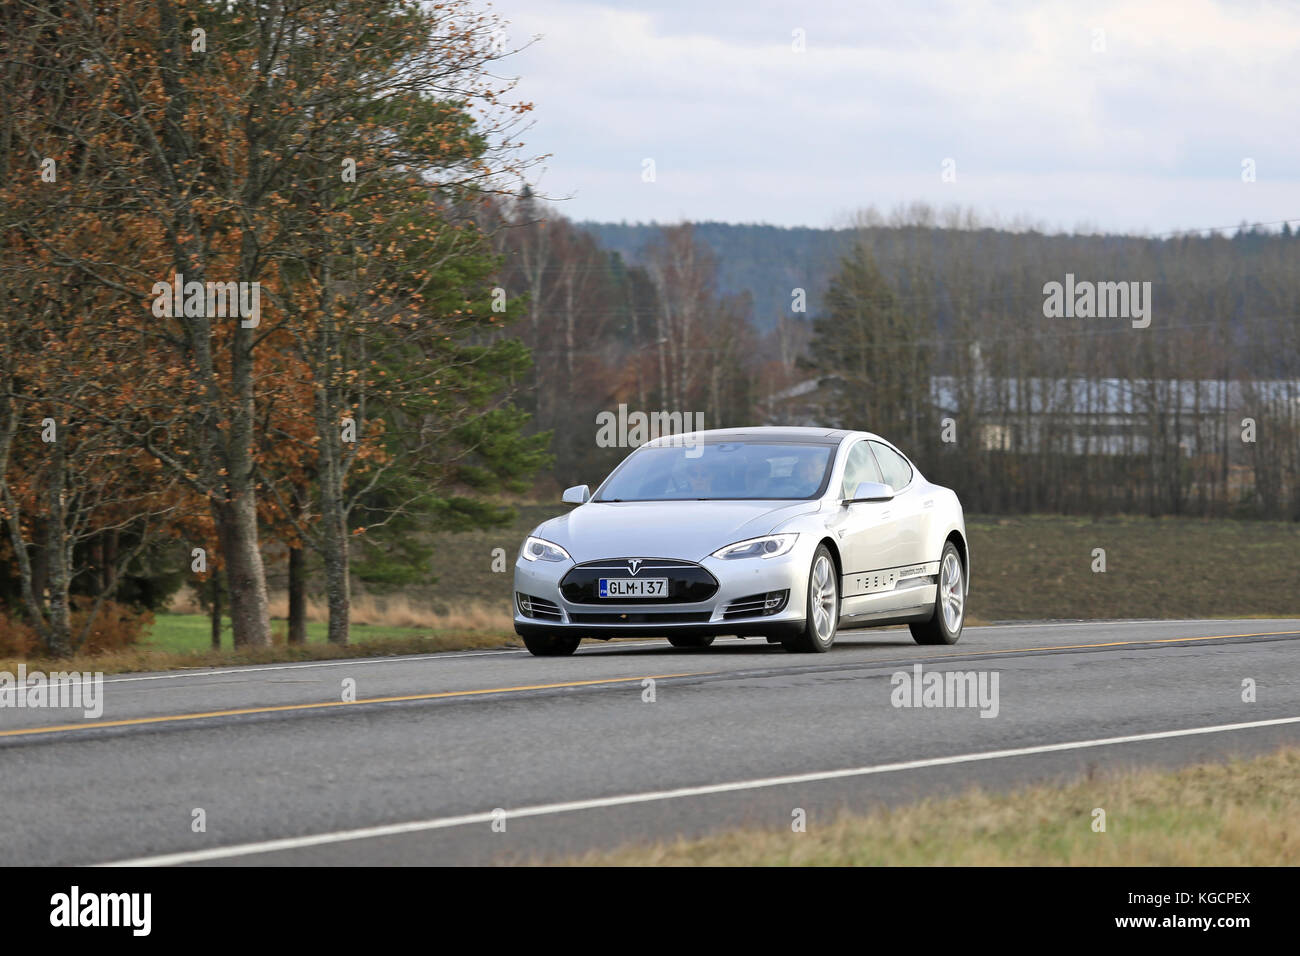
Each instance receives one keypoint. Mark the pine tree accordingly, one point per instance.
(865, 347)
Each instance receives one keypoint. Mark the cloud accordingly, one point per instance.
(1124, 115)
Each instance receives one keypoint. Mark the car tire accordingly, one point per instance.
(690, 640)
(945, 624)
(552, 645)
(821, 607)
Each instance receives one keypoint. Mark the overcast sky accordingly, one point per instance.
(1133, 116)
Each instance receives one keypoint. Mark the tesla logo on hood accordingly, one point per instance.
(634, 564)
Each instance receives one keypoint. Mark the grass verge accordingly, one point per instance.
(1238, 813)
(149, 657)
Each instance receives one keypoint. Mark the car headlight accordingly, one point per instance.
(537, 549)
(768, 546)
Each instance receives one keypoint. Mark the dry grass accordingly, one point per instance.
(153, 659)
(396, 610)
(475, 624)
(1241, 813)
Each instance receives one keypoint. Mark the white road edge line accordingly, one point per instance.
(442, 823)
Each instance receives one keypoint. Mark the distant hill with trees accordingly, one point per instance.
(769, 262)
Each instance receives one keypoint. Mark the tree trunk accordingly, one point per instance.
(338, 593)
(297, 597)
(249, 606)
(215, 612)
(58, 641)
(40, 570)
(111, 545)
(337, 584)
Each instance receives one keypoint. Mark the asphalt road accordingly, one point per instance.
(439, 750)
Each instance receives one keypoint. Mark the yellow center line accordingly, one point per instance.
(169, 718)
(135, 721)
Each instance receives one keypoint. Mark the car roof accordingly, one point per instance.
(761, 433)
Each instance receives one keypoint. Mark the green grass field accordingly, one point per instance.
(185, 633)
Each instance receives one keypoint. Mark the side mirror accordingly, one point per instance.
(577, 495)
(871, 491)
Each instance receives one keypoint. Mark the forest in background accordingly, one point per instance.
(929, 327)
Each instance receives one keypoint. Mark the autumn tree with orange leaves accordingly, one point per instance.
(319, 161)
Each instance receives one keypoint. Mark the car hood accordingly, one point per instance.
(687, 530)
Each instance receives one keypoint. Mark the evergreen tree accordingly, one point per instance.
(865, 347)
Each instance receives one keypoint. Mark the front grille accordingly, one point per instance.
(757, 605)
(688, 583)
(532, 606)
(680, 617)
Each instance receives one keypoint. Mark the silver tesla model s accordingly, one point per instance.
(784, 533)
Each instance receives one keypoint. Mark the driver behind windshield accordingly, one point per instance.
(695, 480)
(758, 478)
(808, 475)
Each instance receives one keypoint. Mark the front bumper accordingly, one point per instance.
(726, 611)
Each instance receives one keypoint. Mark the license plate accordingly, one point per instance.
(633, 587)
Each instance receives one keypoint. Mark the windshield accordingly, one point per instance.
(720, 471)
